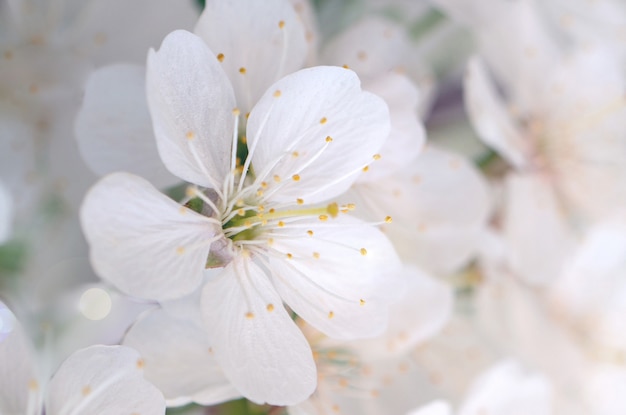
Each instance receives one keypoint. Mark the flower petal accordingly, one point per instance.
(19, 382)
(407, 134)
(191, 102)
(179, 360)
(143, 242)
(489, 116)
(105, 380)
(304, 126)
(113, 126)
(341, 279)
(259, 347)
(535, 229)
(433, 408)
(258, 43)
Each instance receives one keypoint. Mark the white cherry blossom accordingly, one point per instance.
(268, 220)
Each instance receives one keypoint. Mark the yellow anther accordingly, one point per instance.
(180, 250)
(351, 206)
(242, 70)
(331, 314)
(272, 210)
(323, 120)
(247, 224)
(244, 139)
(190, 135)
(363, 251)
(277, 178)
(220, 57)
(343, 210)
(343, 382)
(270, 307)
(270, 241)
(281, 223)
(295, 154)
(241, 212)
(33, 385)
(344, 66)
(336, 408)
(295, 177)
(86, 390)
(309, 232)
(323, 218)
(259, 193)
(289, 255)
(182, 210)
(376, 156)
(264, 222)
(281, 24)
(247, 115)
(240, 203)
(361, 302)
(249, 315)
(300, 201)
(388, 219)
(316, 255)
(277, 93)
(236, 111)
(140, 363)
(333, 210)
(260, 208)
(366, 168)
(329, 139)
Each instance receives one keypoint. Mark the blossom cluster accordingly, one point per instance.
(411, 207)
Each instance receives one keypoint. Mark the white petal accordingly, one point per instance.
(143, 242)
(535, 229)
(113, 126)
(428, 228)
(248, 34)
(179, 360)
(506, 390)
(423, 311)
(105, 380)
(371, 47)
(119, 31)
(317, 117)
(6, 214)
(433, 408)
(256, 343)
(489, 116)
(340, 280)
(18, 379)
(191, 102)
(407, 134)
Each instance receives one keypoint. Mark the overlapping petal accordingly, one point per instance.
(113, 126)
(340, 279)
(105, 380)
(143, 242)
(257, 43)
(301, 130)
(258, 346)
(191, 102)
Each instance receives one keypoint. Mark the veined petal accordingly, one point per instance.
(114, 129)
(489, 116)
(179, 360)
(142, 241)
(257, 43)
(105, 380)
(259, 347)
(191, 102)
(341, 279)
(306, 124)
